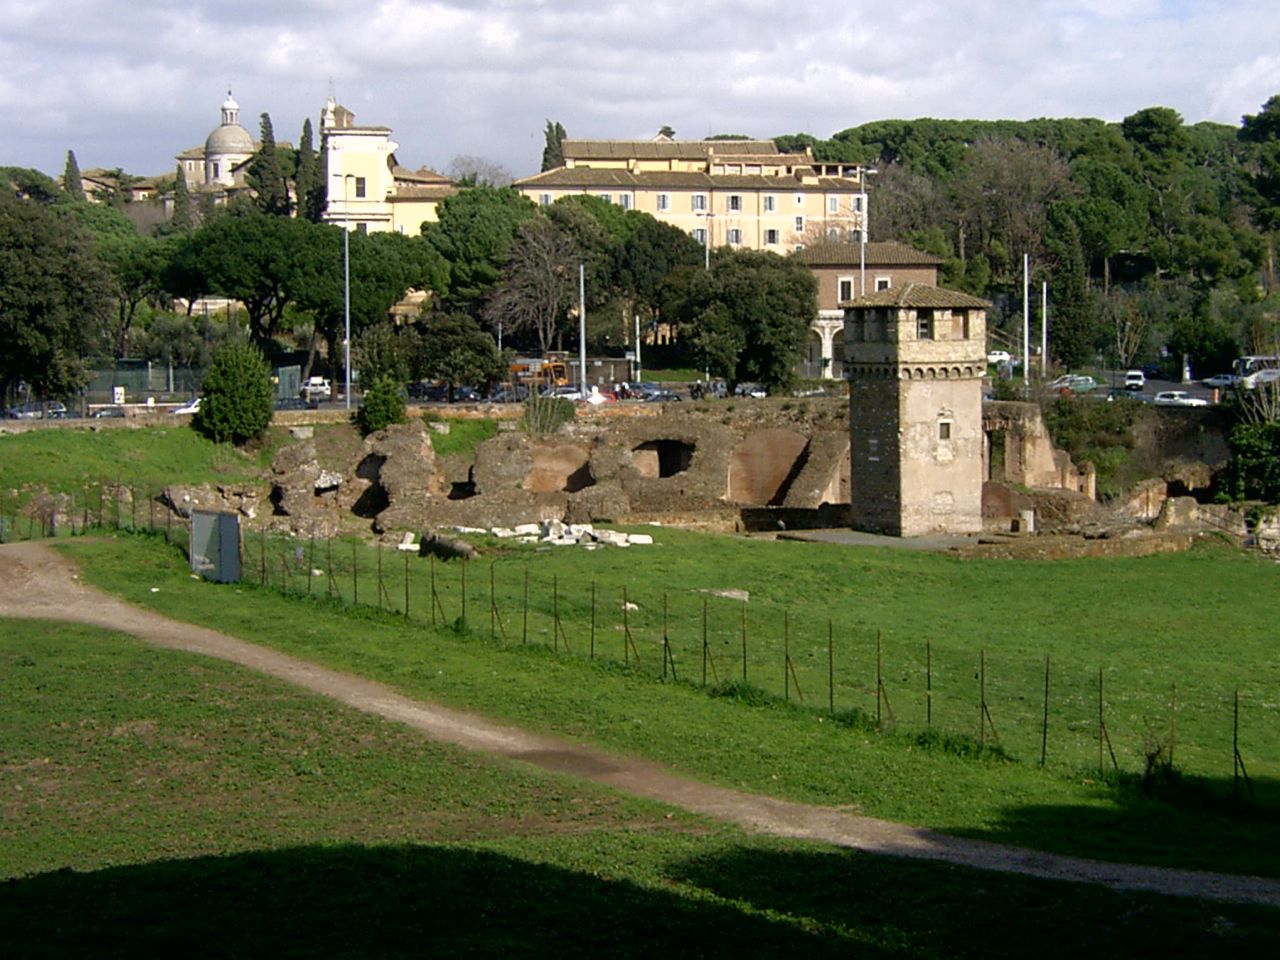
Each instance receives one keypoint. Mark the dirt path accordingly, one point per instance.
(36, 582)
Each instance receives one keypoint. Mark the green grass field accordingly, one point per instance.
(162, 804)
(798, 750)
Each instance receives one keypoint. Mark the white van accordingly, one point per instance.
(1135, 380)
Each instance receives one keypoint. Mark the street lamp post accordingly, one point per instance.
(346, 289)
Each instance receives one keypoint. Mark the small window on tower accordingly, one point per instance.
(360, 187)
(944, 430)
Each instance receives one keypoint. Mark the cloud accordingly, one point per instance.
(481, 76)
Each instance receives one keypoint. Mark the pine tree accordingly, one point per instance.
(307, 183)
(553, 152)
(71, 181)
(265, 175)
(181, 221)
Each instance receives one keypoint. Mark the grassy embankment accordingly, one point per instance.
(161, 804)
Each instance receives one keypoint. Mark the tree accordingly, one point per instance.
(650, 255)
(1073, 328)
(54, 298)
(472, 171)
(308, 188)
(667, 131)
(266, 175)
(385, 350)
(457, 352)
(236, 395)
(553, 151)
(539, 282)
(474, 231)
(749, 315)
(71, 181)
(183, 219)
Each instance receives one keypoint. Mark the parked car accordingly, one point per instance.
(662, 396)
(751, 390)
(292, 403)
(187, 408)
(24, 411)
(316, 389)
(516, 393)
(1178, 398)
(999, 356)
(109, 413)
(1075, 382)
(1221, 381)
(1135, 380)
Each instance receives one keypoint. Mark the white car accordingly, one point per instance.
(1135, 380)
(315, 389)
(999, 356)
(1178, 398)
(192, 407)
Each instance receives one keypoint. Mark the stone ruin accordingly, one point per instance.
(676, 466)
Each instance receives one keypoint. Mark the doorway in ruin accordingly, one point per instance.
(763, 466)
(655, 459)
(559, 468)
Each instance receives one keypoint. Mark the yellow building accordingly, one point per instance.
(368, 190)
(736, 193)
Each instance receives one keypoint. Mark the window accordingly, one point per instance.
(799, 224)
(700, 235)
(362, 228)
(944, 430)
(833, 234)
(735, 203)
(664, 202)
(799, 199)
(770, 237)
(624, 201)
(924, 324)
(883, 283)
(544, 199)
(857, 204)
(770, 203)
(833, 204)
(735, 237)
(699, 201)
(215, 169)
(605, 197)
(360, 187)
(845, 287)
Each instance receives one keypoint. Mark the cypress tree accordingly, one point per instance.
(553, 152)
(265, 175)
(307, 181)
(71, 181)
(181, 221)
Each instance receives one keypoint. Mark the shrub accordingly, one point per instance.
(543, 416)
(236, 396)
(383, 405)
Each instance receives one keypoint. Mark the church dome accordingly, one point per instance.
(229, 138)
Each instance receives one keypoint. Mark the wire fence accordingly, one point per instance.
(1068, 716)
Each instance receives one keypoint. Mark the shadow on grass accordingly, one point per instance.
(354, 901)
(1197, 823)
(375, 902)
(912, 908)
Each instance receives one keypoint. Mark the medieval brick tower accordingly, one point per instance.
(915, 359)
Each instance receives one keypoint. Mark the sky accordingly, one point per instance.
(132, 85)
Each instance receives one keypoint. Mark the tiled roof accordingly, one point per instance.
(663, 149)
(918, 295)
(586, 178)
(421, 177)
(888, 253)
(436, 191)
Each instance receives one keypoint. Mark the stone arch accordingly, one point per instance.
(837, 354)
(656, 459)
(764, 464)
(559, 467)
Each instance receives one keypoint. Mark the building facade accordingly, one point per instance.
(736, 193)
(915, 360)
(367, 189)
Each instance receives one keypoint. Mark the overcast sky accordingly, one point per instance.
(131, 85)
